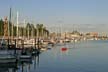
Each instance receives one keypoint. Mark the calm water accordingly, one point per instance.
(89, 56)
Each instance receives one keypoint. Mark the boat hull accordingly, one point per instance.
(7, 60)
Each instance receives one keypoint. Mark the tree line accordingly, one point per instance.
(30, 30)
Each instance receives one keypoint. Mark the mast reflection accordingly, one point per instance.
(8, 67)
(25, 65)
(36, 62)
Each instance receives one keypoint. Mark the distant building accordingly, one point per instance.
(92, 34)
(75, 34)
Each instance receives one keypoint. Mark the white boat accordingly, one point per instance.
(25, 57)
(5, 55)
(43, 49)
(5, 58)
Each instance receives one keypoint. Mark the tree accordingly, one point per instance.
(1, 27)
(32, 30)
(28, 29)
(21, 31)
(39, 28)
(45, 32)
(15, 31)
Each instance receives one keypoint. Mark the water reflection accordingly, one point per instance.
(25, 65)
(8, 67)
(29, 65)
(85, 57)
(36, 63)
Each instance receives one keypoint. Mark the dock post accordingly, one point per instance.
(8, 44)
(15, 46)
(22, 43)
(35, 43)
(38, 43)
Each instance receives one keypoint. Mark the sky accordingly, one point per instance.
(56, 14)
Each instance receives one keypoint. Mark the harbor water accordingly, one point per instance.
(85, 56)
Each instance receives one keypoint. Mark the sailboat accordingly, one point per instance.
(6, 56)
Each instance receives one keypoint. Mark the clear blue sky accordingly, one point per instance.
(51, 12)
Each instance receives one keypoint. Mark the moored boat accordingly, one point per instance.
(7, 58)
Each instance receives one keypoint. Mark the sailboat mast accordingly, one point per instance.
(12, 25)
(24, 28)
(17, 23)
(9, 22)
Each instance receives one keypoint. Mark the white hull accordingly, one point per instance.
(7, 59)
(7, 56)
(25, 57)
(43, 49)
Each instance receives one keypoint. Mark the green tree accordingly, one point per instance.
(39, 28)
(15, 31)
(32, 30)
(28, 29)
(1, 27)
